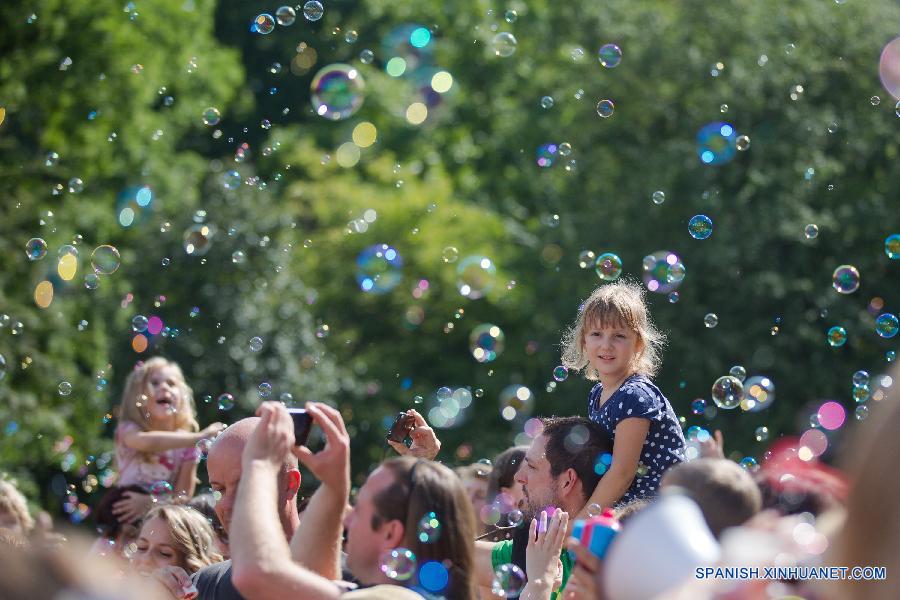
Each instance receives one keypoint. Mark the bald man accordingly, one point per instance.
(223, 464)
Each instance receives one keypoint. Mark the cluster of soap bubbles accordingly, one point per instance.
(486, 342)
(378, 269)
(663, 271)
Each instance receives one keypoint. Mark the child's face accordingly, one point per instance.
(155, 548)
(611, 350)
(165, 395)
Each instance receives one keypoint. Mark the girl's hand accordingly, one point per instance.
(212, 430)
(425, 443)
(176, 581)
(585, 582)
(132, 507)
(544, 546)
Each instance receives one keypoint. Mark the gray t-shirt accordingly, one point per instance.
(214, 582)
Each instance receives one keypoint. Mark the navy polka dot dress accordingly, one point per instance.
(664, 446)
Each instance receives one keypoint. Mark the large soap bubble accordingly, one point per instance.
(337, 91)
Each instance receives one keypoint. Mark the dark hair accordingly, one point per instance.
(576, 443)
(421, 487)
(108, 525)
(506, 464)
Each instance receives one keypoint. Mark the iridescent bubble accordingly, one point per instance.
(105, 260)
(91, 281)
(761, 433)
(749, 463)
(285, 16)
(238, 257)
(490, 514)
(861, 378)
(212, 116)
(889, 67)
(837, 336)
(444, 393)
(547, 102)
(76, 186)
(658, 197)
(586, 259)
(861, 412)
(263, 24)
(516, 401)
(36, 249)
(256, 344)
(608, 266)
(398, 563)
(378, 269)
(610, 56)
(663, 271)
(429, 529)
(450, 254)
(831, 415)
(486, 342)
(546, 155)
(226, 401)
(700, 227)
(560, 373)
(161, 492)
(845, 279)
(727, 392)
(514, 518)
(64, 388)
(673, 297)
(504, 44)
(759, 393)
(366, 57)
(508, 582)
(313, 10)
(197, 239)
(265, 389)
(139, 323)
(739, 372)
(511, 16)
(698, 406)
(606, 108)
(716, 143)
(2, 367)
(890, 356)
(337, 91)
(892, 246)
(811, 231)
(887, 325)
(565, 149)
(231, 180)
(711, 320)
(742, 143)
(475, 276)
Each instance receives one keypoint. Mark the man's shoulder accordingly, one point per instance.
(383, 592)
(213, 582)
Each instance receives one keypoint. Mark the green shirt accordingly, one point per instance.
(502, 554)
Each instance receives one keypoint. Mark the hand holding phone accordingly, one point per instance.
(401, 428)
(302, 425)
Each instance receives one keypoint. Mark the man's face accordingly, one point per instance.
(365, 545)
(224, 468)
(539, 487)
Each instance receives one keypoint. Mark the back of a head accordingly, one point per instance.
(506, 464)
(725, 493)
(107, 522)
(578, 443)
(13, 503)
(235, 437)
(423, 487)
(477, 471)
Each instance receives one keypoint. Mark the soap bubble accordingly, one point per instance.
(398, 563)
(861, 378)
(313, 10)
(105, 260)
(486, 342)
(742, 143)
(608, 266)
(508, 582)
(91, 281)
(560, 373)
(716, 143)
(727, 392)
(837, 336)
(226, 401)
(366, 57)
(429, 529)
(606, 108)
(892, 246)
(546, 155)
(433, 576)
(609, 56)
(263, 24)
(475, 276)
(504, 44)
(845, 279)
(265, 389)
(378, 269)
(586, 259)
(231, 180)
(887, 325)
(663, 271)
(711, 320)
(450, 254)
(336, 92)
(759, 393)
(514, 518)
(547, 102)
(658, 197)
(285, 16)
(889, 67)
(2, 367)
(739, 372)
(700, 227)
(256, 344)
(197, 239)
(761, 433)
(749, 463)
(516, 401)
(76, 185)
(64, 388)
(698, 406)
(161, 492)
(211, 116)
(139, 323)
(811, 231)
(36, 249)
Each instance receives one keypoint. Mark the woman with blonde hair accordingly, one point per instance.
(175, 536)
(14, 513)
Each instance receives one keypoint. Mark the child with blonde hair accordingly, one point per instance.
(615, 343)
(157, 435)
(14, 514)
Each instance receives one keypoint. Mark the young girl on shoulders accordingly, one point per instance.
(156, 438)
(614, 342)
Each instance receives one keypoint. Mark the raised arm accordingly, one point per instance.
(261, 560)
(630, 436)
(484, 568)
(160, 441)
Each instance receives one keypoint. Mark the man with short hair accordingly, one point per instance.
(560, 470)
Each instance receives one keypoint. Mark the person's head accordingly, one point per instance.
(560, 468)
(205, 504)
(503, 490)
(177, 536)
(725, 492)
(14, 513)
(474, 478)
(394, 510)
(156, 396)
(223, 465)
(613, 334)
(108, 524)
(626, 510)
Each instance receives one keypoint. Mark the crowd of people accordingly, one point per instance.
(515, 526)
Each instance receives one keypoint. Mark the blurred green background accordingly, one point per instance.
(118, 91)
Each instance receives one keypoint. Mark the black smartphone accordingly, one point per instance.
(399, 431)
(302, 425)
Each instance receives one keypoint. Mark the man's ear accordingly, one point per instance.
(292, 482)
(393, 532)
